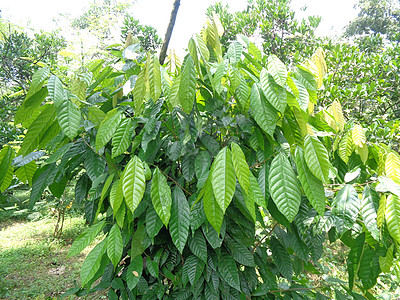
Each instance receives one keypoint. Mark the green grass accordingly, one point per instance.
(33, 265)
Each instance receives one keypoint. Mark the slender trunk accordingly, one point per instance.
(168, 34)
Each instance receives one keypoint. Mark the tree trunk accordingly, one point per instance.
(168, 34)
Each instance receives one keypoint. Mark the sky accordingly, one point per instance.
(38, 14)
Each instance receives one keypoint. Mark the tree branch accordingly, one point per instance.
(168, 34)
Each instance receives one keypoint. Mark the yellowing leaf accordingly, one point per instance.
(392, 167)
(336, 111)
(358, 135)
(380, 218)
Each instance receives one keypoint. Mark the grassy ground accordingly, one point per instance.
(33, 265)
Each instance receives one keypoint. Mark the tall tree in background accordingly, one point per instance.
(168, 34)
(376, 17)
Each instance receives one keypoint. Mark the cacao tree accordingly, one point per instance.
(222, 180)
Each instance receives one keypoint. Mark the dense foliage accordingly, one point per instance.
(220, 180)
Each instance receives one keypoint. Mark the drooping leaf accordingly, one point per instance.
(386, 262)
(241, 167)
(255, 191)
(108, 127)
(346, 208)
(369, 210)
(192, 268)
(153, 222)
(38, 79)
(134, 272)
(392, 167)
(114, 245)
(346, 147)
(94, 165)
(41, 179)
(20, 161)
(392, 216)
(312, 186)
(180, 219)
(277, 69)
(56, 90)
(122, 137)
(197, 244)
(6, 157)
(240, 252)
(354, 259)
(161, 196)
(281, 258)
(116, 195)
(369, 267)
(358, 135)
(153, 66)
(133, 183)
(317, 158)
(283, 186)
(69, 118)
(223, 178)
(213, 212)
(228, 270)
(92, 262)
(264, 114)
(26, 172)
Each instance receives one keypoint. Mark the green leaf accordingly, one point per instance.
(234, 52)
(41, 179)
(263, 184)
(187, 87)
(386, 262)
(180, 219)
(108, 127)
(23, 160)
(29, 110)
(283, 186)
(239, 252)
(116, 195)
(242, 95)
(122, 138)
(85, 238)
(161, 196)
(346, 207)
(228, 270)
(277, 69)
(317, 158)
(37, 130)
(134, 272)
(56, 90)
(38, 79)
(369, 211)
(26, 172)
(223, 178)
(255, 192)
(153, 65)
(369, 267)
(312, 186)
(6, 155)
(241, 167)
(69, 118)
(94, 165)
(133, 183)
(354, 258)
(392, 216)
(153, 222)
(193, 268)
(92, 263)
(275, 94)
(281, 258)
(213, 212)
(197, 244)
(114, 245)
(152, 267)
(264, 114)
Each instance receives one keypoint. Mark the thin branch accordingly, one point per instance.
(189, 193)
(263, 238)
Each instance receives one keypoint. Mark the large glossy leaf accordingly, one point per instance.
(161, 196)
(153, 222)
(56, 90)
(192, 269)
(85, 238)
(317, 158)
(228, 270)
(37, 130)
(275, 94)
(108, 127)
(281, 258)
(26, 172)
(239, 252)
(38, 79)
(69, 118)
(223, 178)
(180, 219)
(241, 167)
(312, 186)
(369, 210)
(116, 195)
(41, 179)
(277, 69)
(187, 87)
(369, 267)
(213, 212)
(197, 244)
(94, 164)
(133, 183)
(134, 272)
(284, 187)
(263, 112)
(346, 208)
(122, 138)
(92, 262)
(392, 216)
(354, 259)
(256, 193)
(114, 245)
